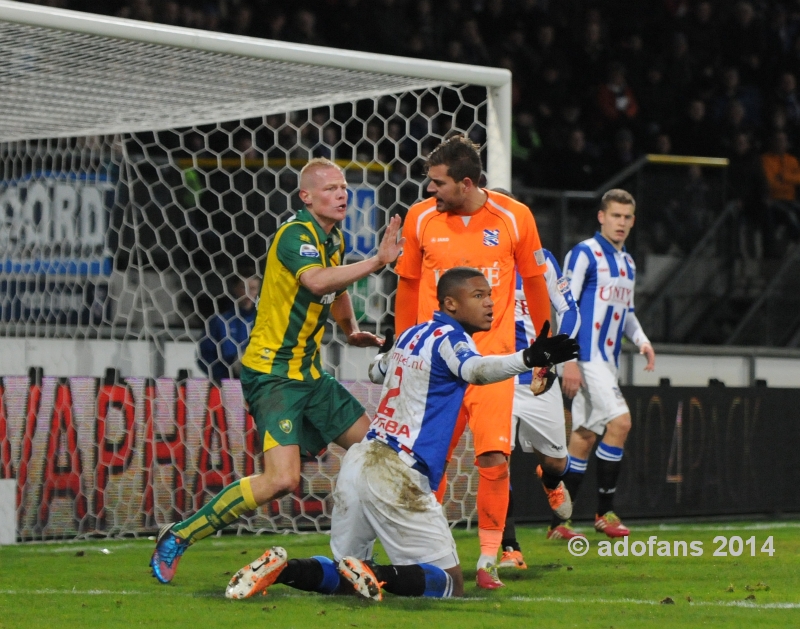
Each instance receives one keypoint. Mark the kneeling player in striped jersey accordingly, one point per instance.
(384, 489)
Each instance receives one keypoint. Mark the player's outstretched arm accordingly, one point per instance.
(321, 281)
(342, 312)
(547, 351)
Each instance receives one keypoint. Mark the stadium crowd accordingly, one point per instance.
(596, 82)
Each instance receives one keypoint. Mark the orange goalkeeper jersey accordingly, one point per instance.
(500, 236)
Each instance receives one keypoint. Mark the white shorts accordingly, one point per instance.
(541, 421)
(379, 496)
(600, 399)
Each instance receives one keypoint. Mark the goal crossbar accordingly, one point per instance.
(166, 77)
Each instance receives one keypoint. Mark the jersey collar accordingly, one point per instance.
(446, 319)
(607, 246)
(304, 216)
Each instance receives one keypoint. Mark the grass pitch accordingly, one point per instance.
(108, 584)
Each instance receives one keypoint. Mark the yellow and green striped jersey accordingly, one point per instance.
(286, 337)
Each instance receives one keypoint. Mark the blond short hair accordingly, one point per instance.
(617, 195)
(313, 165)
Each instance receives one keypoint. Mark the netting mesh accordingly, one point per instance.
(140, 188)
(58, 84)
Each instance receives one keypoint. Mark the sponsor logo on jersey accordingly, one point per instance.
(309, 251)
(538, 255)
(440, 239)
(285, 425)
(491, 273)
(563, 285)
(491, 237)
(461, 348)
(615, 295)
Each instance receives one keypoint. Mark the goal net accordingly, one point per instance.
(144, 169)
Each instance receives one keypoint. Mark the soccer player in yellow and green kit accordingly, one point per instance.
(297, 407)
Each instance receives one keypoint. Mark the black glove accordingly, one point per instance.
(387, 342)
(547, 351)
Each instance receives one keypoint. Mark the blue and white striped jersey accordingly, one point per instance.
(424, 379)
(561, 299)
(602, 281)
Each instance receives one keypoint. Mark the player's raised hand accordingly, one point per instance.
(648, 351)
(546, 351)
(364, 339)
(391, 246)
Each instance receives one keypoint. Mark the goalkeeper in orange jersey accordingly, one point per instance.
(462, 224)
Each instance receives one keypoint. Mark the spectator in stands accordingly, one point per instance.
(694, 134)
(734, 124)
(657, 102)
(228, 333)
(787, 97)
(662, 144)
(747, 192)
(731, 89)
(680, 67)
(782, 171)
(616, 102)
(526, 148)
(702, 33)
(744, 42)
(592, 57)
(623, 155)
(578, 167)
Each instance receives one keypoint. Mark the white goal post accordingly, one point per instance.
(144, 168)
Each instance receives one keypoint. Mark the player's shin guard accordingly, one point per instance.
(315, 574)
(609, 462)
(493, 486)
(576, 469)
(415, 580)
(234, 500)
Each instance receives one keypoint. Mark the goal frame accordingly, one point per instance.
(497, 81)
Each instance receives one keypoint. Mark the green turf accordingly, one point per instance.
(77, 585)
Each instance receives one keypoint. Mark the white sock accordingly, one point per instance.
(484, 561)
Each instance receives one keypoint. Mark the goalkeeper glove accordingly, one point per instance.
(388, 342)
(547, 351)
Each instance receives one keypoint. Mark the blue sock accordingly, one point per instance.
(438, 584)
(330, 575)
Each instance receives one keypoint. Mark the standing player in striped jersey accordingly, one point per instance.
(602, 276)
(385, 482)
(540, 418)
(462, 224)
(297, 407)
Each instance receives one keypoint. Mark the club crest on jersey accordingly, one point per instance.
(309, 251)
(285, 425)
(491, 237)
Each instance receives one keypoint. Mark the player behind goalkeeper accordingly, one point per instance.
(297, 407)
(384, 489)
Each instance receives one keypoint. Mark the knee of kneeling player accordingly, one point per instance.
(554, 466)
